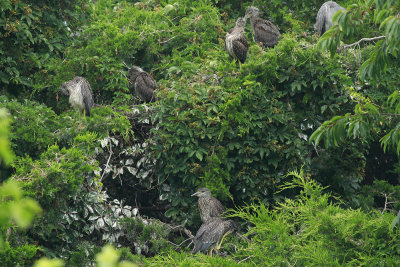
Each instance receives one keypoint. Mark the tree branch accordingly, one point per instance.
(342, 47)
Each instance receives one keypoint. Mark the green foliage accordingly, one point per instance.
(16, 213)
(239, 133)
(303, 11)
(375, 116)
(35, 127)
(381, 196)
(383, 14)
(186, 259)
(236, 131)
(17, 256)
(15, 208)
(109, 256)
(33, 31)
(58, 174)
(311, 230)
(56, 180)
(135, 34)
(148, 237)
(6, 155)
(46, 262)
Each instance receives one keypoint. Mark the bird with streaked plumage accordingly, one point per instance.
(143, 83)
(265, 32)
(212, 232)
(80, 94)
(209, 206)
(236, 43)
(210, 235)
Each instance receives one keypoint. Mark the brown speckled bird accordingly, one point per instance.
(143, 83)
(265, 32)
(236, 43)
(209, 206)
(210, 235)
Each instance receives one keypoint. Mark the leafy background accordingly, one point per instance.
(124, 175)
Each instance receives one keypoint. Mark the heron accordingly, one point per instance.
(80, 94)
(265, 32)
(209, 206)
(325, 15)
(236, 43)
(143, 83)
(211, 233)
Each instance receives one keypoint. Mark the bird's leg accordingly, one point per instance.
(210, 252)
(222, 239)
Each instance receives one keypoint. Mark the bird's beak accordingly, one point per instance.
(195, 194)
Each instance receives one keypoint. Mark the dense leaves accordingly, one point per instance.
(31, 33)
(124, 175)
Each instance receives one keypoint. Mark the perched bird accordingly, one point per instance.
(80, 94)
(325, 15)
(211, 234)
(265, 31)
(209, 206)
(143, 83)
(236, 43)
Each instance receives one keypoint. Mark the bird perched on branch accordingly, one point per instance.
(143, 83)
(265, 32)
(211, 233)
(325, 15)
(236, 43)
(80, 94)
(209, 206)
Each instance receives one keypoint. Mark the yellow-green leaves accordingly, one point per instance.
(6, 155)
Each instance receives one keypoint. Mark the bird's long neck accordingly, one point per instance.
(238, 30)
(253, 20)
(134, 75)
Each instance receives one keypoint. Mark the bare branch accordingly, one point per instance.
(245, 259)
(166, 41)
(385, 208)
(342, 47)
(108, 161)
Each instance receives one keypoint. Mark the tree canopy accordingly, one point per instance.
(300, 142)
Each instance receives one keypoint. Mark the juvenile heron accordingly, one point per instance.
(143, 83)
(210, 235)
(236, 43)
(80, 94)
(265, 32)
(325, 15)
(209, 206)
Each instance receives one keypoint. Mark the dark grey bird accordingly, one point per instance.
(209, 206)
(265, 32)
(143, 83)
(211, 233)
(236, 43)
(80, 94)
(325, 15)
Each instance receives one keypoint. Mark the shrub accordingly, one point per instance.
(311, 230)
(34, 31)
(17, 256)
(240, 132)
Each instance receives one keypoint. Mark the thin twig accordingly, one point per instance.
(166, 41)
(245, 259)
(385, 207)
(342, 47)
(108, 161)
